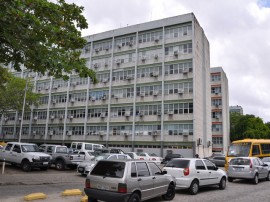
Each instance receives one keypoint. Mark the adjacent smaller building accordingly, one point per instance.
(220, 110)
(236, 109)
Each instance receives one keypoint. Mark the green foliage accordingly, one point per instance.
(247, 126)
(11, 97)
(4, 76)
(44, 36)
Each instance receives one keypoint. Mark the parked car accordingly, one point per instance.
(129, 181)
(138, 155)
(86, 166)
(214, 155)
(248, 168)
(155, 158)
(61, 157)
(266, 160)
(170, 156)
(192, 173)
(218, 160)
(1, 147)
(85, 146)
(116, 151)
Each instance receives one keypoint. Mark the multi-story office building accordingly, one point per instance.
(236, 109)
(153, 93)
(220, 110)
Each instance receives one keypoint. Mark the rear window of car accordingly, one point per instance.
(178, 163)
(109, 169)
(239, 161)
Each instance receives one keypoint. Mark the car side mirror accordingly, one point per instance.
(164, 172)
(216, 168)
(265, 165)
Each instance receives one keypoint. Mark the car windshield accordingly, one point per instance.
(140, 154)
(152, 154)
(61, 150)
(267, 159)
(178, 163)
(105, 156)
(30, 148)
(109, 169)
(239, 161)
(239, 149)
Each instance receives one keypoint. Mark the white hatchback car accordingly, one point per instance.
(192, 173)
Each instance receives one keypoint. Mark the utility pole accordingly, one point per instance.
(24, 100)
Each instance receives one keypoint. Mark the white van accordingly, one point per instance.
(85, 146)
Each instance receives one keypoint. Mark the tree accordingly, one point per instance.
(43, 36)
(247, 126)
(11, 97)
(4, 77)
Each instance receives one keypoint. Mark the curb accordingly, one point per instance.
(35, 196)
(72, 192)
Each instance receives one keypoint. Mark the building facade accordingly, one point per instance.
(236, 109)
(153, 93)
(220, 110)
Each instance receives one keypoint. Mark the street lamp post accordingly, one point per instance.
(24, 100)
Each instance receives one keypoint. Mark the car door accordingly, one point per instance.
(201, 172)
(263, 170)
(7, 152)
(16, 154)
(145, 181)
(160, 181)
(213, 174)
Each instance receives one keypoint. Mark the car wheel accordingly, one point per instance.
(26, 166)
(170, 193)
(92, 199)
(256, 179)
(134, 198)
(222, 183)
(268, 177)
(230, 179)
(60, 165)
(194, 187)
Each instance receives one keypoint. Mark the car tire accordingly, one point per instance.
(255, 179)
(268, 177)
(26, 166)
(92, 199)
(134, 198)
(230, 179)
(170, 193)
(194, 187)
(222, 183)
(60, 165)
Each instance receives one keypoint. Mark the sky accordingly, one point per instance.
(238, 32)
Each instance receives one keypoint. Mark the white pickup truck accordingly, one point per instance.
(61, 158)
(25, 155)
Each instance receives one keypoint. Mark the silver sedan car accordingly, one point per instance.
(248, 168)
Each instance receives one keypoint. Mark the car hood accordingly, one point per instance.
(86, 163)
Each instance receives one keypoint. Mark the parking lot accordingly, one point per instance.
(15, 184)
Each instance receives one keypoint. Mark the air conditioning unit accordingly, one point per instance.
(156, 39)
(170, 112)
(104, 97)
(156, 56)
(103, 115)
(5, 119)
(180, 91)
(217, 116)
(96, 50)
(69, 133)
(55, 86)
(155, 133)
(185, 132)
(93, 99)
(20, 118)
(105, 80)
(155, 74)
(39, 88)
(130, 77)
(217, 105)
(34, 132)
(93, 133)
(216, 92)
(119, 46)
(35, 118)
(118, 61)
(209, 143)
(150, 132)
(126, 134)
(107, 48)
(127, 114)
(61, 117)
(131, 43)
(72, 100)
(50, 133)
(199, 141)
(142, 94)
(52, 117)
(54, 101)
(185, 71)
(70, 117)
(141, 114)
(175, 53)
(159, 113)
(155, 93)
(106, 64)
(101, 133)
(46, 87)
(73, 84)
(143, 58)
(96, 65)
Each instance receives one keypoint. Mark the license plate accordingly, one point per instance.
(238, 169)
(102, 187)
(45, 163)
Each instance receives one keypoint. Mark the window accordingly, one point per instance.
(8, 147)
(178, 163)
(209, 165)
(17, 148)
(109, 169)
(133, 170)
(142, 170)
(88, 146)
(265, 148)
(79, 146)
(199, 165)
(50, 149)
(155, 170)
(255, 150)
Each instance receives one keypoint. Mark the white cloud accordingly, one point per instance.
(238, 32)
